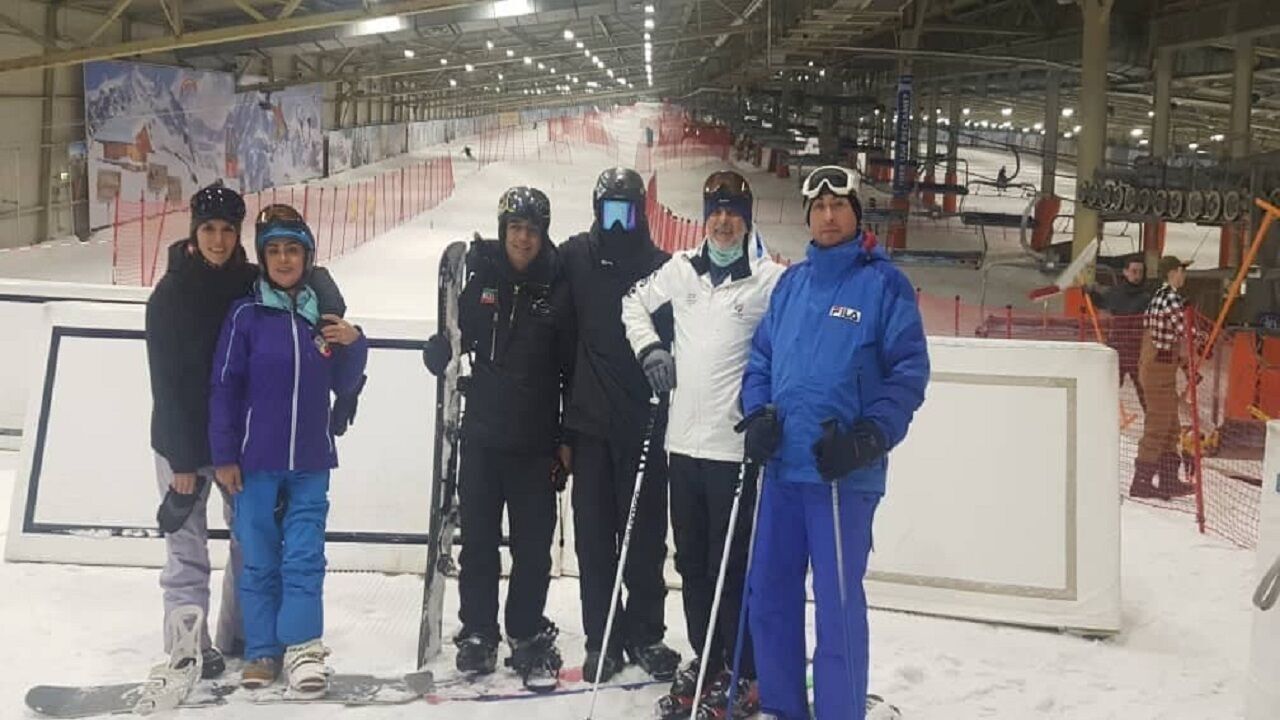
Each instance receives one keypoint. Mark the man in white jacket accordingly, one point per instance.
(718, 293)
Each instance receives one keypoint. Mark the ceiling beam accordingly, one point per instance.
(28, 33)
(250, 10)
(1203, 25)
(214, 36)
(111, 17)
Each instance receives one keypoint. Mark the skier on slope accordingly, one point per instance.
(608, 411)
(838, 367)
(206, 271)
(518, 326)
(718, 294)
(278, 361)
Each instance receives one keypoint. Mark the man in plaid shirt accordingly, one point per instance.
(1164, 341)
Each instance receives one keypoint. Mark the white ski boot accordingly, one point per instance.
(170, 682)
(305, 671)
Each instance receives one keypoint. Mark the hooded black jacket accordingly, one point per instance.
(610, 395)
(520, 330)
(184, 316)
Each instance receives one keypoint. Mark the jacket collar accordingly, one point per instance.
(754, 253)
(861, 249)
(305, 303)
(185, 256)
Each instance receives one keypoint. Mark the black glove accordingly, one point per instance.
(436, 354)
(659, 368)
(764, 433)
(176, 507)
(839, 454)
(344, 409)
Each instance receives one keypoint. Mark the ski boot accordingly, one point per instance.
(169, 682)
(305, 671)
(477, 654)
(214, 663)
(613, 665)
(660, 661)
(537, 660)
(714, 704)
(678, 702)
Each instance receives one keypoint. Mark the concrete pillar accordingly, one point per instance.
(1093, 111)
(1231, 245)
(1153, 232)
(949, 204)
(45, 170)
(1052, 111)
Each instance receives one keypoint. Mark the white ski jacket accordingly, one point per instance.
(713, 330)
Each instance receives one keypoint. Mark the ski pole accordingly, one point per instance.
(715, 602)
(844, 604)
(746, 594)
(622, 554)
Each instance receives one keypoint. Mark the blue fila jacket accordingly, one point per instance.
(842, 340)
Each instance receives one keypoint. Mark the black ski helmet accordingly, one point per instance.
(525, 203)
(216, 202)
(619, 183)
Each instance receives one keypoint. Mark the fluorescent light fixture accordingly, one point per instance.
(622, 81)
(1218, 138)
(511, 8)
(568, 34)
(647, 37)
(575, 79)
(1151, 113)
(1076, 129)
(1136, 132)
(453, 83)
(542, 66)
(1068, 134)
(444, 61)
(1193, 146)
(822, 72)
(378, 26)
(648, 23)
(1144, 142)
(586, 53)
(649, 9)
(595, 59)
(593, 84)
(609, 73)
(469, 67)
(579, 45)
(965, 111)
(1026, 129)
(553, 71)
(500, 76)
(511, 53)
(1006, 112)
(488, 44)
(1068, 112)
(409, 54)
(810, 63)
(528, 60)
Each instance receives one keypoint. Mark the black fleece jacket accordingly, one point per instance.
(184, 316)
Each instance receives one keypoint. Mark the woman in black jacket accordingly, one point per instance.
(207, 271)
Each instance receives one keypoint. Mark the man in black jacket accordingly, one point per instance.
(206, 272)
(609, 409)
(518, 326)
(1127, 302)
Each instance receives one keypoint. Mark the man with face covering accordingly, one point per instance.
(518, 329)
(609, 409)
(718, 293)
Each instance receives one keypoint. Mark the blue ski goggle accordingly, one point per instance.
(617, 213)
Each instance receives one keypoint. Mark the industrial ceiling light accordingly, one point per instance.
(1076, 129)
(1006, 112)
(1136, 132)
(453, 83)
(1144, 142)
(647, 37)
(579, 45)
(378, 26)
(553, 71)
(1218, 137)
(568, 34)
(965, 111)
(648, 23)
(609, 73)
(488, 44)
(1193, 146)
(511, 53)
(511, 8)
(444, 61)
(542, 66)
(1068, 134)
(500, 76)
(409, 54)
(586, 53)
(649, 9)
(1038, 126)
(469, 67)
(1068, 112)
(528, 60)
(1151, 113)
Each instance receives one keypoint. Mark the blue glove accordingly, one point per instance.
(839, 454)
(764, 434)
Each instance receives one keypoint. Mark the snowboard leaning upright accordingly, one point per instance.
(444, 482)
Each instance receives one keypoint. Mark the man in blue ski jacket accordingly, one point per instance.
(838, 366)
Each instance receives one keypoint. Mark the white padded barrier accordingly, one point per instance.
(1002, 502)
(1262, 694)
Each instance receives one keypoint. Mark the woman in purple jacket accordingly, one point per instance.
(277, 363)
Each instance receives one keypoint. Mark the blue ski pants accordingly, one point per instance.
(282, 580)
(795, 529)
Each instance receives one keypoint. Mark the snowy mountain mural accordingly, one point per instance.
(160, 133)
(153, 132)
(275, 138)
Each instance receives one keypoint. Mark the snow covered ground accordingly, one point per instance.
(1182, 654)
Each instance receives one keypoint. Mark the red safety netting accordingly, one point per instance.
(516, 143)
(341, 217)
(586, 128)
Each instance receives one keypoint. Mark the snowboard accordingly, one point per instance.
(501, 687)
(63, 701)
(443, 525)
